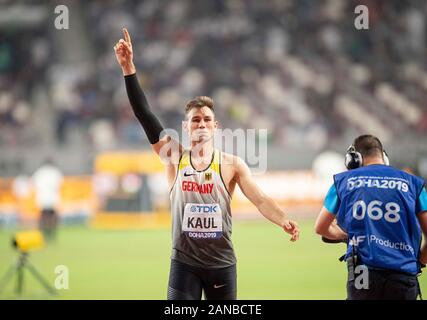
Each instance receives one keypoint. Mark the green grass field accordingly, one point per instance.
(135, 264)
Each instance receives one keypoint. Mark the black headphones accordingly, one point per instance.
(354, 159)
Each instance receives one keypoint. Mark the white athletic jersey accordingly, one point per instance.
(201, 215)
(47, 183)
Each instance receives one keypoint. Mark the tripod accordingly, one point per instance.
(18, 269)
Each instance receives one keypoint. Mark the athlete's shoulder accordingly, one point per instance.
(234, 165)
(184, 159)
(229, 159)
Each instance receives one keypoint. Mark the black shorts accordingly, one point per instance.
(187, 282)
(385, 285)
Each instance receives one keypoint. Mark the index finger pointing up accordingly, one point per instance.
(127, 36)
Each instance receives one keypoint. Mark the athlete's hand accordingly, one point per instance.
(292, 228)
(124, 54)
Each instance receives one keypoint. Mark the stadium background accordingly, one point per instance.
(297, 68)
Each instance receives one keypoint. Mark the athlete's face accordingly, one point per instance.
(201, 124)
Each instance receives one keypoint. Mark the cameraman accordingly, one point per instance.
(381, 212)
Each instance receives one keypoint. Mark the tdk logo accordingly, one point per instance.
(356, 240)
(203, 209)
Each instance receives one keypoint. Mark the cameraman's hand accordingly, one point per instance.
(124, 54)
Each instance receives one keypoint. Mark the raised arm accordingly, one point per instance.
(124, 54)
(167, 148)
(267, 206)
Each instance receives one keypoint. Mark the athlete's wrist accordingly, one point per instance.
(284, 223)
(128, 69)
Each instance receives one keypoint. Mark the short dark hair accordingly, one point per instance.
(199, 102)
(368, 145)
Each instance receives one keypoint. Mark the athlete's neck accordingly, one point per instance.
(202, 150)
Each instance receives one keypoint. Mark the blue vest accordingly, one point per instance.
(378, 211)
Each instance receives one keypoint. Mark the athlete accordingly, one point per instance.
(381, 212)
(201, 183)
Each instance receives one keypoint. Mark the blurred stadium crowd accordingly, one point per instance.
(298, 68)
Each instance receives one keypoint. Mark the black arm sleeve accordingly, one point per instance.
(141, 109)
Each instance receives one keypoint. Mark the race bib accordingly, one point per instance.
(202, 221)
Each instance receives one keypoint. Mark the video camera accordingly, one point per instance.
(26, 241)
